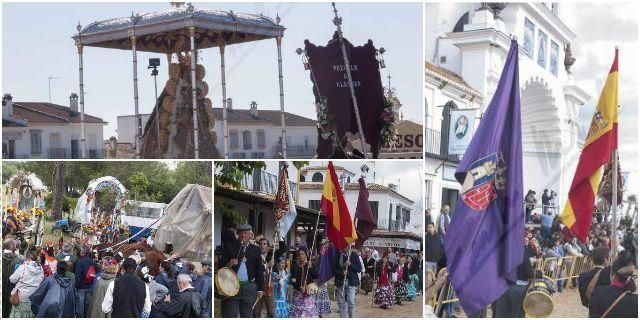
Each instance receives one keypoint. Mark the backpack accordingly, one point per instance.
(46, 268)
(90, 275)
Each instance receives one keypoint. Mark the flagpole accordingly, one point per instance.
(338, 21)
(614, 205)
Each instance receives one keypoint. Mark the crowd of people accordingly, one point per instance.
(552, 239)
(286, 281)
(71, 280)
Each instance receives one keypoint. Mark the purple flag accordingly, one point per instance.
(485, 240)
(327, 258)
(366, 221)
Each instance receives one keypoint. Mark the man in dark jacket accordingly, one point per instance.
(84, 276)
(243, 258)
(433, 249)
(509, 305)
(618, 299)
(56, 295)
(203, 286)
(347, 266)
(601, 269)
(9, 262)
(127, 296)
(188, 304)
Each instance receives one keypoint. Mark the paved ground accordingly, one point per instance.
(565, 305)
(364, 308)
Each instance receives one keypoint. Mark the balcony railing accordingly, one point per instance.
(58, 153)
(436, 145)
(262, 181)
(296, 151)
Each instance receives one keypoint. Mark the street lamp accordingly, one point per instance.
(154, 63)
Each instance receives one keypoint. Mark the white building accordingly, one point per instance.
(40, 130)
(392, 210)
(256, 134)
(253, 134)
(466, 47)
(127, 127)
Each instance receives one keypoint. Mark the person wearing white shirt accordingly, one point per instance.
(127, 296)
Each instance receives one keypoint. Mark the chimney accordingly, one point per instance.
(229, 104)
(254, 108)
(73, 104)
(393, 187)
(7, 105)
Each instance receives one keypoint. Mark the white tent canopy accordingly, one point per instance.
(187, 223)
(19, 179)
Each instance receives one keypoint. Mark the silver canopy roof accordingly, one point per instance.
(167, 31)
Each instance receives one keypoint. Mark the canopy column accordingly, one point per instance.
(135, 95)
(280, 82)
(192, 33)
(225, 130)
(81, 74)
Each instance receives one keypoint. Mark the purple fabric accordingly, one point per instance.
(484, 247)
(366, 221)
(327, 258)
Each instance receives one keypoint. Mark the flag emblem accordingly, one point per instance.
(479, 187)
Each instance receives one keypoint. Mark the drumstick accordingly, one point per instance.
(254, 305)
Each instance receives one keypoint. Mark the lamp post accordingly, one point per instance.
(154, 63)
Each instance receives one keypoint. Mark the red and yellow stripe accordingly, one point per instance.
(340, 229)
(601, 140)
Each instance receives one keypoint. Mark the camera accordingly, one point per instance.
(154, 62)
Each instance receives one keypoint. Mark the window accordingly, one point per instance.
(398, 218)
(36, 141)
(553, 61)
(246, 140)
(317, 177)
(234, 143)
(529, 28)
(374, 210)
(261, 139)
(390, 216)
(542, 49)
(314, 204)
(302, 178)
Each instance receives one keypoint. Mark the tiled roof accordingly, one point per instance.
(272, 116)
(449, 75)
(42, 112)
(352, 186)
(323, 168)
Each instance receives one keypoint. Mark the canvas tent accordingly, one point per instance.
(187, 223)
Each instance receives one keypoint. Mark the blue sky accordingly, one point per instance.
(36, 43)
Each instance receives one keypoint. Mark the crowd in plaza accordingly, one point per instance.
(288, 282)
(73, 280)
(552, 239)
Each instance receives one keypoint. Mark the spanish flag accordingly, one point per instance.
(601, 140)
(340, 229)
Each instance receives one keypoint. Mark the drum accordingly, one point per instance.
(227, 282)
(537, 301)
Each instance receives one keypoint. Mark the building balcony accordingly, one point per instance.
(296, 151)
(265, 182)
(437, 146)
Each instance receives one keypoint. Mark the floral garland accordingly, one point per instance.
(325, 120)
(389, 120)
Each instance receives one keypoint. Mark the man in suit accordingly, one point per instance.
(618, 299)
(243, 258)
(443, 220)
(601, 270)
(347, 266)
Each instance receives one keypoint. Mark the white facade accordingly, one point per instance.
(475, 48)
(392, 208)
(55, 141)
(127, 127)
(301, 140)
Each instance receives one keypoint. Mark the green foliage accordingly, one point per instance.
(229, 212)
(8, 170)
(230, 173)
(626, 221)
(162, 183)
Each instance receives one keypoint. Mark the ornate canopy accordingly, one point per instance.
(167, 31)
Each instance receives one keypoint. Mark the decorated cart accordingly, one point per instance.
(102, 220)
(23, 206)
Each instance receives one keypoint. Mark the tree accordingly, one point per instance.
(59, 189)
(230, 173)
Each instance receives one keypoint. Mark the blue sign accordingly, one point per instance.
(460, 130)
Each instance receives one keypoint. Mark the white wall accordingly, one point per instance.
(67, 132)
(127, 127)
